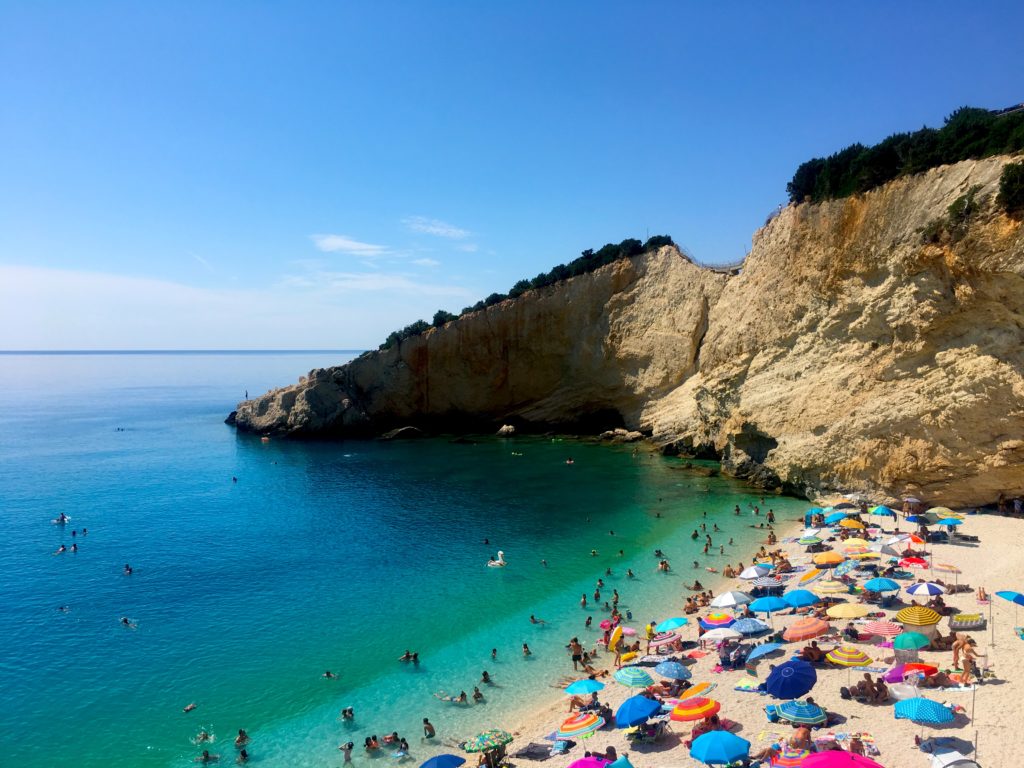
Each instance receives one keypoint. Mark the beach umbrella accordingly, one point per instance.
(857, 542)
(791, 679)
(580, 725)
(918, 616)
(835, 517)
(755, 571)
(584, 687)
(665, 638)
(880, 584)
(628, 631)
(848, 656)
(633, 677)
(831, 587)
(674, 623)
(1014, 597)
(673, 670)
(590, 762)
(636, 710)
(851, 523)
(697, 689)
(488, 740)
(807, 577)
(828, 559)
(837, 759)
(919, 519)
(844, 568)
(912, 500)
(948, 568)
(790, 757)
(694, 708)
(768, 604)
(444, 761)
(883, 511)
(913, 562)
(808, 541)
(872, 555)
(848, 611)
(622, 762)
(750, 626)
(924, 711)
(926, 588)
(943, 512)
(801, 712)
(717, 619)
(731, 599)
(910, 641)
(950, 521)
(801, 598)
(805, 629)
(719, 747)
(763, 650)
(722, 633)
(919, 666)
(768, 582)
(882, 628)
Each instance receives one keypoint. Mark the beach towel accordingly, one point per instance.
(697, 654)
(746, 685)
(772, 736)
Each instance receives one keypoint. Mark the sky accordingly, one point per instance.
(246, 175)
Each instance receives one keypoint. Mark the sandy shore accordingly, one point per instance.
(995, 564)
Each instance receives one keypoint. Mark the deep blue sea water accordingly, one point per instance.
(321, 556)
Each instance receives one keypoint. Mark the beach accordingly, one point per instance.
(994, 564)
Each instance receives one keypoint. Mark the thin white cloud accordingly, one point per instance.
(435, 227)
(345, 244)
(468, 247)
(207, 265)
(426, 262)
(327, 282)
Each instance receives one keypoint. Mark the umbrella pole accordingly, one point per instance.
(974, 695)
(991, 624)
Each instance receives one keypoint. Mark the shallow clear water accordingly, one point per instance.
(321, 556)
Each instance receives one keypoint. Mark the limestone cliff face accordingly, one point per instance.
(848, 353)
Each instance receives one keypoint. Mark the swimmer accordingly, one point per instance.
(243, 757)
(85, 531)
(477, 695)
(189, 707)
(348, 713)
(428, 729)
(328, 675)
(611, 533)
(486, 678)
(589, 621)
(544, 563)
(535, 620)
(622, 553)
(526, 650)
(202, 736)
(569, 461)
(494, 651)
(593, 553)
(61, 550)
(629, 573)
(126, 622)
(127, 570)
(241, 739)
(346, 750)
(583, 601)
(407, 656)
(206, 757)
(74, 547)
(63, 608)
(416, 658)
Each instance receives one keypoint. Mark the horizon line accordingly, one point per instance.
(175, 351)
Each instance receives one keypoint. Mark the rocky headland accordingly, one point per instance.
(870, 344)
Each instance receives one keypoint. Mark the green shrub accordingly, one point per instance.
(1011, 189)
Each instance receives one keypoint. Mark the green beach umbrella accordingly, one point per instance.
(491, 739)
(808, 541)
(633, 677)
(911, 641)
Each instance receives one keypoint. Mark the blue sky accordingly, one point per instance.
(246, 174)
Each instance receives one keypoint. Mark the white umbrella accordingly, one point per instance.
(731, 599)
(756, 572)
(722, 633)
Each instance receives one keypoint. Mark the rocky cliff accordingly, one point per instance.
(868, 344)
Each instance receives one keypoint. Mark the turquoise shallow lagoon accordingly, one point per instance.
(321, 556)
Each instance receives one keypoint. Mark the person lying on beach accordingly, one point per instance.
(938, 680)
(812, 652)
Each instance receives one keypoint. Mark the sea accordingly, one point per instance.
(259, 565)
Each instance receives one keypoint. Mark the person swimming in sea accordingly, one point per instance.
(189, 707)
(127, 570)
(126, 622)
(407, 656)
(206, 757)
(535, 620)
(61, 550)
(486, 678)
(241, 739)
(526, 650)
(328, 675)
(477, 695)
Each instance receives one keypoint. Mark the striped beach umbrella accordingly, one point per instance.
(790, 757)
(694, 708)
(848, 611)
(805, 629)
(926, 588)
(830, 587)
(924, 711)
(633, 677)
(768, 582)
(802, 712)
(848, 656)
(882, 628)
(910, 641)
(808, 577)
(665, 638)
(918, 616)
(580, 725)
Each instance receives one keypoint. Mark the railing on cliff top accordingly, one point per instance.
(726, 268)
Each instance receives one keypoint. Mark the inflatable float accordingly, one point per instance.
(499, 563)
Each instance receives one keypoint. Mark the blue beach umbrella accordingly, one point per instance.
(750, 626)
(1013, 597)
(444, 761)
(582, 687)
(768, 605)
(814, 510)
(881, 584)
(791, 679)
(764, 650)
(674, 623)
(918, 519)
(924, 711)
(636, 710)
(719, 747)
(834, 518)
(801, 598)
(925, 588)
(673, 670)
(844, 568)
(950, 521)
(883, 510)
(802, 712)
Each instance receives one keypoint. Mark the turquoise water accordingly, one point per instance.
(321, 556)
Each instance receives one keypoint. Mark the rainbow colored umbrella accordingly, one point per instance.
(633, 677)
(580, 725)
(694, 708)
(790, 758)
(717, 619)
